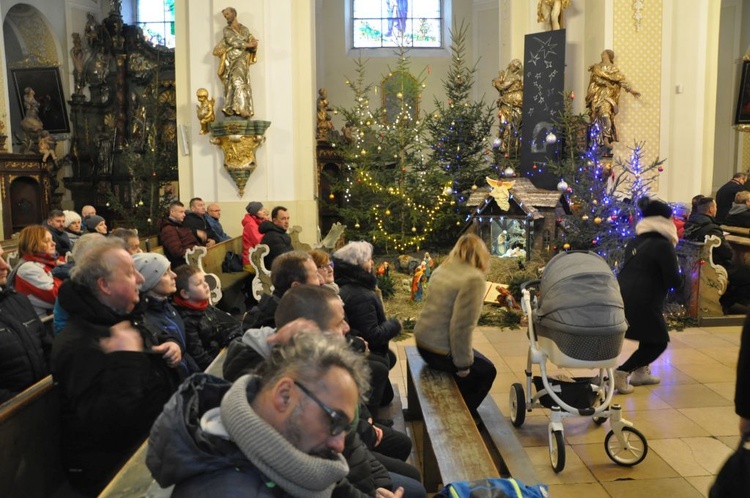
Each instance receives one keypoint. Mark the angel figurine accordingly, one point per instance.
(204, 109)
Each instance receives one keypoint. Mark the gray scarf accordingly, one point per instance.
(297, 473)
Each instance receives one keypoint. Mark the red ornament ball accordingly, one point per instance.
(660, 168)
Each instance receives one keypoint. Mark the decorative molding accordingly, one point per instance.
(638, 13)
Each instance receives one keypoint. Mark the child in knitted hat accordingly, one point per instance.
(213, 327)
(158, 286)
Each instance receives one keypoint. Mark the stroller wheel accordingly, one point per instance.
(557, 451)
(517, 405)
(635, 449)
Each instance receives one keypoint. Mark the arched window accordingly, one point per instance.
(389, 23)
(156, 18)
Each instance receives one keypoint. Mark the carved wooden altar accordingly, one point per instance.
(123, 115)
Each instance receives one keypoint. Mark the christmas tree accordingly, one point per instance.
(459, 128)
(389, 199)
(601, 194)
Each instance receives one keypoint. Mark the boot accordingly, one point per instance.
(642, 377)
(621, 382)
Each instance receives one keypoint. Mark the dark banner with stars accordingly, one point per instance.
(543, 85)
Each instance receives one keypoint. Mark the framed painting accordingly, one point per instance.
(743, 100)
(45, 84)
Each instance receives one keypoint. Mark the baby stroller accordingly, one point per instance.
(578, 322)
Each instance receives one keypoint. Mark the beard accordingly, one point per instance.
(294, 433)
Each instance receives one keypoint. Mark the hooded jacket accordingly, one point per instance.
(251, 236)
(698, 226)
(109, 400)
(160, 314)
(739, 216)
(232, 452)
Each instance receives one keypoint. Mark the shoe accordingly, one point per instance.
(642, 377)
(621, 382)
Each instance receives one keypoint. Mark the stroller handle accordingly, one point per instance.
(530, 283)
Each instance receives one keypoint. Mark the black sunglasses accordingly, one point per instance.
(339, 422)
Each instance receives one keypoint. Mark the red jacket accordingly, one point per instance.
(250, 235)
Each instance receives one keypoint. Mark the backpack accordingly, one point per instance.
(493, 488)
(232, 263)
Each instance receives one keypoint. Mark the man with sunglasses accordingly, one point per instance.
(277, 432)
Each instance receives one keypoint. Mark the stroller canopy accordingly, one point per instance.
(579, 294)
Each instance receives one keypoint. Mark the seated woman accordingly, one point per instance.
(72, 226)
(445, 327)
(33, 274)
(352, 272)
(325, 268)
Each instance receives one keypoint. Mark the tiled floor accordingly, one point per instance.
(688, 419)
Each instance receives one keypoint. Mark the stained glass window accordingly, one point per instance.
(156, 18)
(390, 23)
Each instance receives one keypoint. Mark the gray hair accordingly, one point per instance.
(310, 357)
(84, 243)
(93, 263)
(355, 253)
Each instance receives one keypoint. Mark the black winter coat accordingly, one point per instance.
(739, 216)
(650, 269)
(25, 345)
(160, 314)
(213, 327)
(366, 473)
(362, 305)
(277, 240)
(109, 401)
(264, 314)
(700, 225)
(725, 198)
(197, 222)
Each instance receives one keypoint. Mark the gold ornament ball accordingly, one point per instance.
(331, 196)
(387, 212)
(566, 246)
(474, 187)
(458, 223)
(585, 217)
(597, 220)
(595, 202)
(413, 229)
(356, 225)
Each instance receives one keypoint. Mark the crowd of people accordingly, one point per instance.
(306, 372)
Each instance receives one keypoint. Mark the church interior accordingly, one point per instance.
(124, 116)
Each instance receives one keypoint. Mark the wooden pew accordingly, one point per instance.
(134, 479)
(452, 447)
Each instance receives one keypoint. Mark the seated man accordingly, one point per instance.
(281, 428)
(174, 236)
(55, 223)
(212, 216)
(289, 269)
(24, 343)
(739, 213)
(274, 234)
(87, 211)
(114, 374)
(196, 219)
(702, 222)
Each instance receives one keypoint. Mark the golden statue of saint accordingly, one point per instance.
(603, 96)
(509, 85)
(237, 51)
(550, 13)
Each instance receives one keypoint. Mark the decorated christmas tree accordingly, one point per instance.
(459, 129)
(389, 198)
(600, 194)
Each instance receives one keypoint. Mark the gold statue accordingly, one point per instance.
(509, 84)
(603, 97)
(204, 109)
(46, 147)
(550, 13)
(237, 51)
(325, 125)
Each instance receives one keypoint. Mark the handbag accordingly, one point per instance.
(232, 263)
(733, 480)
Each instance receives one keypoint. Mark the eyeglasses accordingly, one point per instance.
(326, 266)
(339, 422)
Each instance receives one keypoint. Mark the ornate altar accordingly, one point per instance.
(123, 112)
(25, 190)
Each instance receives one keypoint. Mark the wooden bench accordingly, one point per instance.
(452, 447)
(134, 479)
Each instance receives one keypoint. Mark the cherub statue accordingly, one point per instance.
(550, 13)
(47, 147)
(204, 109)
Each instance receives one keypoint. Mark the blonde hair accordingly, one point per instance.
(320, 257)
(472, 250)
(32, 241)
